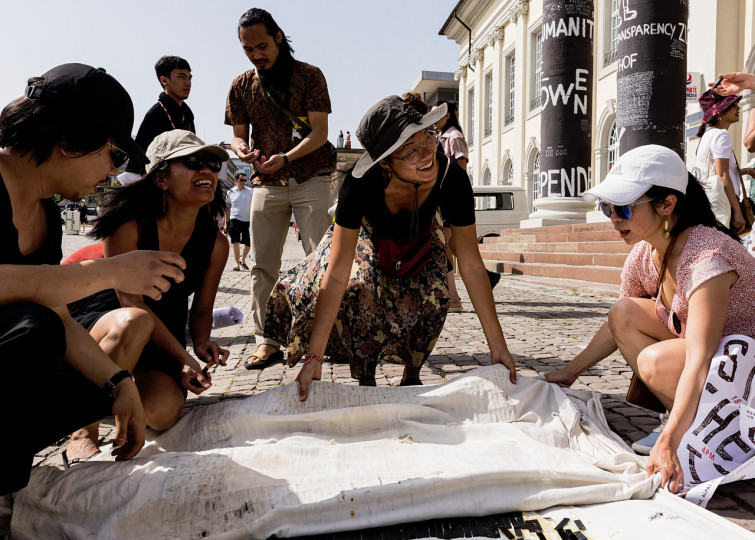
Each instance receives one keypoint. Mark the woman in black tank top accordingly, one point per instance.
(172, 208)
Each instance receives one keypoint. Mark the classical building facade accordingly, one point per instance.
(500, 67)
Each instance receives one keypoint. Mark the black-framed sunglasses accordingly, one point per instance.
(196, 163)
(624, 211)
(119, 157)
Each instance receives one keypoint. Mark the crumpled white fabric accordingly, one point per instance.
(348, 458)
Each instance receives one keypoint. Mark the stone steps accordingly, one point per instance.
(585, 252)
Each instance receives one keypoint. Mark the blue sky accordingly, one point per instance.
(366, 49)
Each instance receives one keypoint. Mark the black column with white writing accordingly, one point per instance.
(566, 98)
(652, 71)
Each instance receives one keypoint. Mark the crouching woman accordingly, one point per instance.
(686, 284)
(375, 287)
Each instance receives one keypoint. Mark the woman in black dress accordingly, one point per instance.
(172, 208)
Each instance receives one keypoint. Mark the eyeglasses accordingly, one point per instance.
(119, 157)
(623, 211)
(413, 156)
(196, 163)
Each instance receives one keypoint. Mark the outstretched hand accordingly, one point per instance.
(664, 460)
(211, 353)
(561, 377)
(502, 356)
(735, 82)
(311, 371)
(146, 272)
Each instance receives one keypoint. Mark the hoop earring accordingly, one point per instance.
(666, 231)
(386, 178)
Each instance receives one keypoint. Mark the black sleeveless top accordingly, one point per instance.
(173, 308)
(49, 253)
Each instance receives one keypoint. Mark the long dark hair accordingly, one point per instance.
(692, 208)
(260, 16)
(453, 120)
(143, 200)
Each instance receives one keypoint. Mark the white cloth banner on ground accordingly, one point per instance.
(721, 438)
(348, 458)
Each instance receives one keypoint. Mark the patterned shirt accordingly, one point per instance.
(272, 130)
(708, 253)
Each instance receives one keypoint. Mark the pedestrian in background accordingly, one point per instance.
(170, 111)
(237, 218)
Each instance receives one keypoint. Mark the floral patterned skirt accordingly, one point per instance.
(381, 317)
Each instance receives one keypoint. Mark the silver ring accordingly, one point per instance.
(680, 485)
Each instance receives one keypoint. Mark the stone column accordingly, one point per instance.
(652, 70)
(566, 113)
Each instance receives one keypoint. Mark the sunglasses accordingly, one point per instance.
(119, 157)
(623, 211)
(196, 163)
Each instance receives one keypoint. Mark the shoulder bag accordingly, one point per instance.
(301, 123)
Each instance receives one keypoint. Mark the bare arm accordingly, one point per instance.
(601, 346)
(329, 298)
(54, 286)
(721, 166)
(707, 313)
(316, 138)
(476, 281)
(200, 317)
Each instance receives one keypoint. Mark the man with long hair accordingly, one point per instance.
(286, 103)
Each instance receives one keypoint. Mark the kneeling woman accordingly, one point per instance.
(172, 208)
(686, 283)
(375, 287)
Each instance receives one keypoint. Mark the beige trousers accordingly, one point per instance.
(271, 212)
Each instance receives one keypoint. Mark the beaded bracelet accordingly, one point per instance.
(310, 357)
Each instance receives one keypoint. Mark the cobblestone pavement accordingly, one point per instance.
(544, 327)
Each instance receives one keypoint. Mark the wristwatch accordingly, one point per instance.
(285, 158)
(113, 381)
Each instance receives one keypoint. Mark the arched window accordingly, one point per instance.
(613, 147)
(486, 178)
(536, 177)
(507, 178)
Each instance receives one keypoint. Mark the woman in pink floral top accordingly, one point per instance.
(668, 338)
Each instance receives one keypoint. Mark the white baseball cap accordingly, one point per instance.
(637, 171)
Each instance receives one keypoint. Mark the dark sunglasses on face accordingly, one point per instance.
(623, 211)
(119, 157)
(196, 163)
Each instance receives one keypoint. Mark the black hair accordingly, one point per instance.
(260, 16)
(30, 126)
(692, 208)
(453, 119)
(165, 66)
(239, 173)
(143, 200)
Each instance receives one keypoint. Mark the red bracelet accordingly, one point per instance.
(310, 357)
